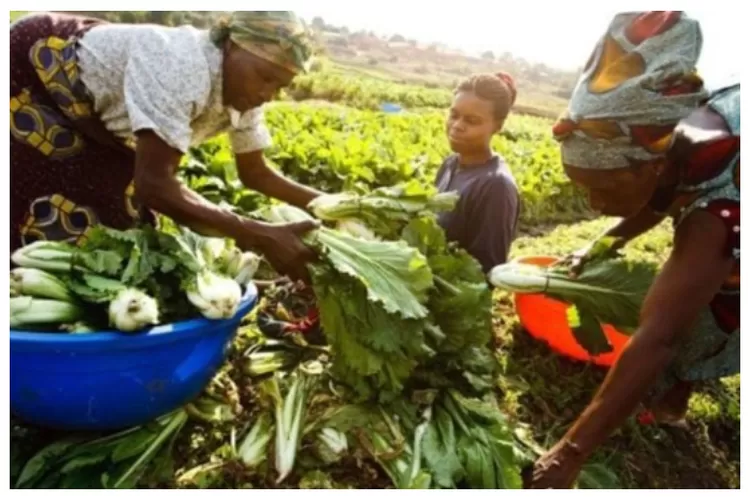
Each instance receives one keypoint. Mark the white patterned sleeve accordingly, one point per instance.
(165, 86)
(251, 133)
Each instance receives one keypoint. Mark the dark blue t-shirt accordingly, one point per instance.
(485, 219)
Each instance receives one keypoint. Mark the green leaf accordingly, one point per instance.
(395, 274)
(439, 448)
(133, 445)
(598, 476)
(81, 478)
(83, 461)
(588, 331)
(44, 461)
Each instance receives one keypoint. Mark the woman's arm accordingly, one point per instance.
(694, 273)
(257, 175)
(632, 227)
(625, 230)
(157, 186)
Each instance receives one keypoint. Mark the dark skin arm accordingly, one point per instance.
(689, 280)
(632, 227)
(157, 187)
(258, 176)
(627, 229)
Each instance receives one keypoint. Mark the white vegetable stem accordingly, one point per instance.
(38, 283)
(519, 278)
(45, 255)
(248, 266)
(254, 447)
(215, 296)
(27, 311)
(290, 416)
(133, 310)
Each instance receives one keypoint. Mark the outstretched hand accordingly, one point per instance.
(282, 246)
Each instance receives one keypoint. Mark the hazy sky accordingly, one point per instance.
(560, 34)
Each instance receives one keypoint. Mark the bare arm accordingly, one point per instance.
(626, 229)
(156, 186)
(632, 227)
(689, 280)
(257, 175)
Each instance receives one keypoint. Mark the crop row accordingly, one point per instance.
(336, 148)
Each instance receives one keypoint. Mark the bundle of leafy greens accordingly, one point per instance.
(433, 339)
(610, 290)
(383, 211)
(372, 299)
(126, 280)
(117, 460)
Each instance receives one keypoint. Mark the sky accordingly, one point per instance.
(558, 33)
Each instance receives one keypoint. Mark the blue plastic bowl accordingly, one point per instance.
(109, 380)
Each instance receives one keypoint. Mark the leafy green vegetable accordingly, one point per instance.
(395, 274)
(117, 460)
(588, 331)
(384, 210)
(254, 448)
(29, 311)
(608, 291)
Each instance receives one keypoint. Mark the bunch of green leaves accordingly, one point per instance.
(459, 303)
(210, 171)
(371, 297)
(469, 443)
(157, 262)
(386, 210)
(117, 460)
(608, 291)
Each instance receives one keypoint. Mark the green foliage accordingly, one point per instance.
(339, 149)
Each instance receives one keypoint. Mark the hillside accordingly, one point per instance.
(375, 61)
(436, 66)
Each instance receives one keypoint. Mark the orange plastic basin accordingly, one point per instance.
(545, 319)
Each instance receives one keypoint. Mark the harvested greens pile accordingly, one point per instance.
(402, 375)
(126, 280)
(409, 371)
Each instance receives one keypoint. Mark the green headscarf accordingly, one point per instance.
(279, 37)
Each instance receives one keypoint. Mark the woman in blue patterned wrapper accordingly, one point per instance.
(646, 141)
(101, 112)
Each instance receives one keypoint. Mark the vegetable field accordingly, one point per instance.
(339, 148)
(221, 440)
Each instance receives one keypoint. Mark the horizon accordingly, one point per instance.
(516, 38)
(519, 30)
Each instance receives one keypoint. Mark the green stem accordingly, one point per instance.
(447, 285)
(174, 425)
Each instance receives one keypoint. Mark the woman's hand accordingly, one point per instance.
(601, 247)
(558, 468)
(575, 261)
(282, 246)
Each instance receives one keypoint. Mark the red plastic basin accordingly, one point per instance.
(544, 318)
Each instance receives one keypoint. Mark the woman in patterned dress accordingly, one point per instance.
(646, 141)
(101, 112)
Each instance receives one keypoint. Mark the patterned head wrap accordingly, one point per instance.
(640, 81)
(279, 37)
